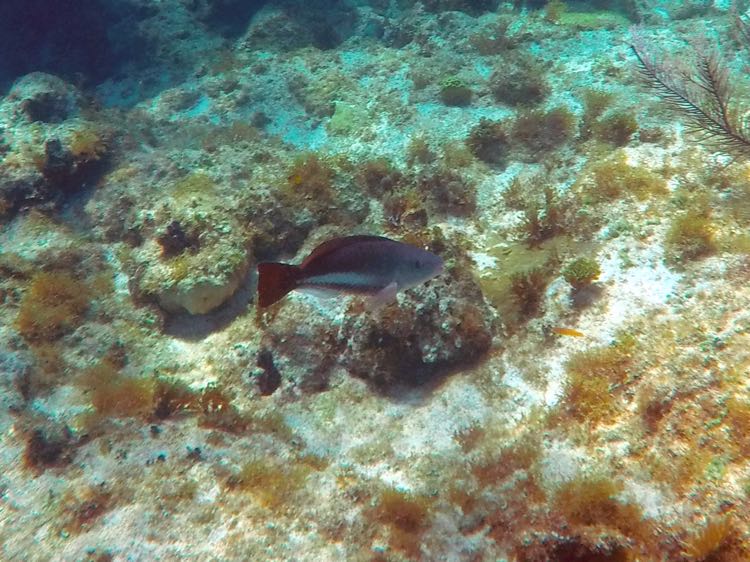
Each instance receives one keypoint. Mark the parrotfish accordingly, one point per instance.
(365, 265)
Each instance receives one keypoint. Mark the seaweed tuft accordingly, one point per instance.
(271, 485)
(581, 272)
(489, 142)
(406, 515)
(47, 448)
(616, 128)
(539, 131)
(614, 178)
(690, 237)
(310, 178)
(54, 304)
(528, 289)
(592, 501)
(717, 541)
(592, 376)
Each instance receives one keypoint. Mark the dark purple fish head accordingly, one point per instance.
(416, 266)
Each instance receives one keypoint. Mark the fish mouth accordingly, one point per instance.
(439, 270)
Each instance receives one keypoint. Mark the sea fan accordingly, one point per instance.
(701, 92)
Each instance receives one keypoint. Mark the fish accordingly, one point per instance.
(567, 332)
(374, 266)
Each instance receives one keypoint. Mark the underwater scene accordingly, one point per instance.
(375, 280)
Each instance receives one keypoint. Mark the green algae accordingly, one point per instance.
(347, 118)
(581, 272)
(717, 469)
(455, 92)
(614, 177)
(690, 236)
(196, 184)
(593, 20)
(503, 284)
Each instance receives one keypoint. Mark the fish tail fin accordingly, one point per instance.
(275, 280)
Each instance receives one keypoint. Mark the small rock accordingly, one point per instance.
(438, 327)
(196, 282)
(304, 346)
(46, 98)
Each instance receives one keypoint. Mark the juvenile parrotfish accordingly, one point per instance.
(363, 265)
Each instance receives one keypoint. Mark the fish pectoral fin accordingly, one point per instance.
(383, 297)
(320, 292)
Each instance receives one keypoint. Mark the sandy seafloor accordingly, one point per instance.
(574, 387)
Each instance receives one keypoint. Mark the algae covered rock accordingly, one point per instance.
(323, 26)
(20, 187)
(201, 294)
(202, 276)
(431, 330)
(44, 97)
(442, 326)
(47, 150)
(304, 347)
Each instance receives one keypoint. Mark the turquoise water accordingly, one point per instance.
(572, 386)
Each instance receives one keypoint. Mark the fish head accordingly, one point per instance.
(418, 267)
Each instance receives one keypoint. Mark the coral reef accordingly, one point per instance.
(572, 386)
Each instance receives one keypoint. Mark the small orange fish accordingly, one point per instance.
(567, 332)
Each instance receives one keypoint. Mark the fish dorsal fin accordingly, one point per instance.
(334, 244)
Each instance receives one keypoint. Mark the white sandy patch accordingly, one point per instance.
(430, 428)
